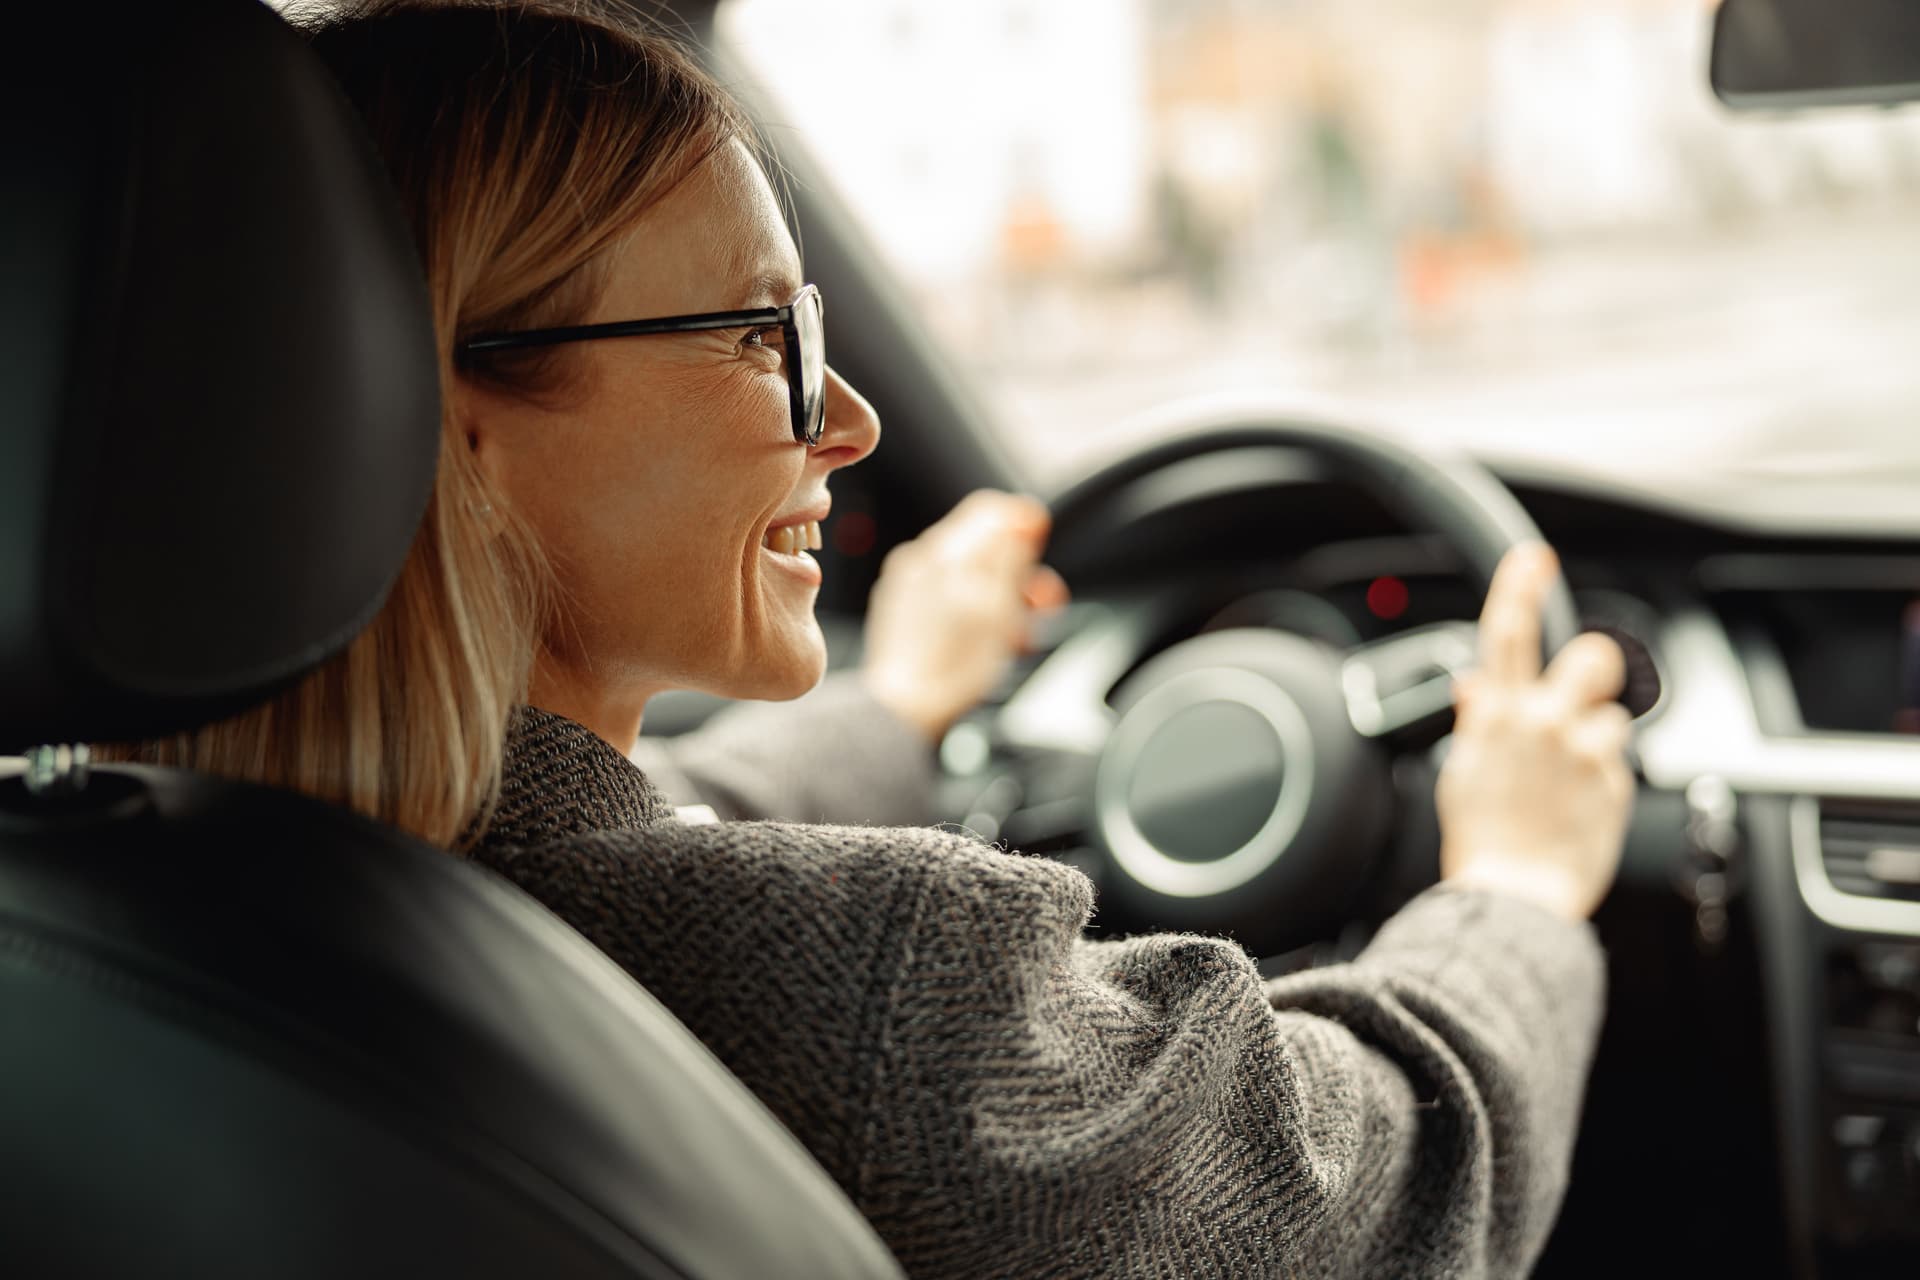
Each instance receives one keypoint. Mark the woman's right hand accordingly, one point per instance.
(952, 608)
(1535, 793)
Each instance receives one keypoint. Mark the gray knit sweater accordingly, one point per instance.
(1002, 1097)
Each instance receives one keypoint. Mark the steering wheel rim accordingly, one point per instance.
(1312, 866)
(1447, 494)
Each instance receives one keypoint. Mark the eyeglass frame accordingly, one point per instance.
(759, 317)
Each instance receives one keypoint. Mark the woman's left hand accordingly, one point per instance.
(952, 607)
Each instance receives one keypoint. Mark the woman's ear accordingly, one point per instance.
(477, 417)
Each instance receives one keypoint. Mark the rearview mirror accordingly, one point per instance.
(1772, 54)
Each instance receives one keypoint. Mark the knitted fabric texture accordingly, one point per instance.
(1002, 1097)
(835, 755)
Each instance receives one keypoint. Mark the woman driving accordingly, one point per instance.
(640, 429)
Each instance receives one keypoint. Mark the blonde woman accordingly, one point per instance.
(640, 432)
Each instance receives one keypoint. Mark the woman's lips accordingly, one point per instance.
(801, 565)
(787, 546)
(789, 538)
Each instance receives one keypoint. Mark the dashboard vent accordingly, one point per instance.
(1872, 850)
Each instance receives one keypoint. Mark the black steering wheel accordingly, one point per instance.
(1241, 779)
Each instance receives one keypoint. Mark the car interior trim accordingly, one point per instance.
(1062, 705)
(1835, 906)
(1710, 726)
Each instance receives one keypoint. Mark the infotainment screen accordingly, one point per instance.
(1853, 655)
(1907, 718)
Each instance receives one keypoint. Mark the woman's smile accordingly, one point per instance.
(789, 537)
(786, 549)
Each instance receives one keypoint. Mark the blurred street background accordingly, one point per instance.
(1522, 225)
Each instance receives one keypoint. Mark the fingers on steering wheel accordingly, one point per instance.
(1510, 621)
(1589, 671)
(1002, 531)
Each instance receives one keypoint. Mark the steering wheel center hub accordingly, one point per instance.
(1235, 792)
(1206, 781)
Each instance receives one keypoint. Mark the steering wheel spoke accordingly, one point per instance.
(1401, 688)
(1061, 708)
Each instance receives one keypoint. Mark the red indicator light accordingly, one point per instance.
(1387, 598)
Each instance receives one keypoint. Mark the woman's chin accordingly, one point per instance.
(787, 672)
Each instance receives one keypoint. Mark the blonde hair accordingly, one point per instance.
(524, 141)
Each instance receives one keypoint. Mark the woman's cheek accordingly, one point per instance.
(753, 396)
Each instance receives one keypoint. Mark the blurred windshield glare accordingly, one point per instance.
(1525, 227)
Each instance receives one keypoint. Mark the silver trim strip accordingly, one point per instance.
(1140, 857)
(1842, 910)
(1710, 726)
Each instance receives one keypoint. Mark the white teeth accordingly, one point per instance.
(795, 538)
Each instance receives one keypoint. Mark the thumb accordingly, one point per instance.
(1046, 590)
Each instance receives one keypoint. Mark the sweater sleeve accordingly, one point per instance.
(1467, 1028)
(835, 755)
(1004, 1098)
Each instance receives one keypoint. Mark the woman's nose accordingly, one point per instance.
(851, 430)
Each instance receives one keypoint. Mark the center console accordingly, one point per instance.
(1859, 867)
(1809, 699)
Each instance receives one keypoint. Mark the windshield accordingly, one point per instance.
(1520, 225)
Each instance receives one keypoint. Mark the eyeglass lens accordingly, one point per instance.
(809, 324)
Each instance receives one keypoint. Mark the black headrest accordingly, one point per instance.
(217, 371)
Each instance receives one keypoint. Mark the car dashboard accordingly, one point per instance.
(1764, 1027)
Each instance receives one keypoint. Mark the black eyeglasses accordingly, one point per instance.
(803, 332)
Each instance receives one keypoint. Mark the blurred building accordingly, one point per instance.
(994, 135)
